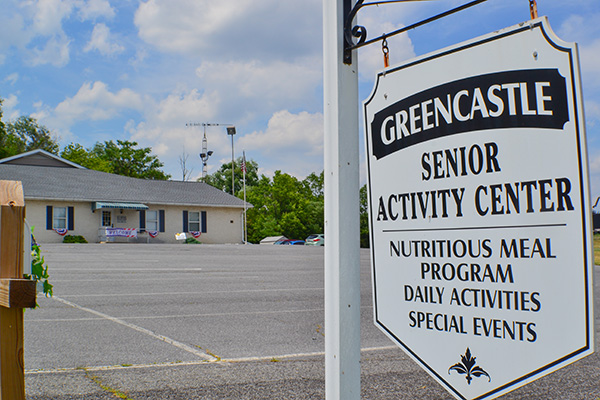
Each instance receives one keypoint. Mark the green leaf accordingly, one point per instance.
(47, 289)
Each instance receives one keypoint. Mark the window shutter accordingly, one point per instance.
(142, 220)
(71, 218)
(185, 221)
(203, 218)
(48, 217)
(161, 220)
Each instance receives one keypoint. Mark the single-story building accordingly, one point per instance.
(63, 198)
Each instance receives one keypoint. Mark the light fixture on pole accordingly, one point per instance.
(205, 154)
(231, 131)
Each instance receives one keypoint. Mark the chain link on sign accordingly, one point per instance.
(386, 53)
(533, 9)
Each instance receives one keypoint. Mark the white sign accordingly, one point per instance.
(480, 212)
(180, 236)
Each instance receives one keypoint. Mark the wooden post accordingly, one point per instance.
(15, 292)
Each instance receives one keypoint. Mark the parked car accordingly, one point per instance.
(315, 240)
(294, 242)
(290, 241)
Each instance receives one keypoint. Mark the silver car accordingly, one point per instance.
(315, 240)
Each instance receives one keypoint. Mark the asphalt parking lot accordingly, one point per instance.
(138, 321)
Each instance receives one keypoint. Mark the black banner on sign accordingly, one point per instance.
(533, 98)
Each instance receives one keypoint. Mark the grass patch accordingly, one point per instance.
(115, 392)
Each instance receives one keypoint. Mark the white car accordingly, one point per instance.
(315, 240)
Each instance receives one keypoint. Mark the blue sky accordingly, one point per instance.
(96, 70)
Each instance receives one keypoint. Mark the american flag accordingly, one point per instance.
(244, 162)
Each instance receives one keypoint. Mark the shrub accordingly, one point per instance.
(74, 239)
(192, 240)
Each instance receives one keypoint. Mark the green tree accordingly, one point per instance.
(316, 184)
(32, 135)
(285, 206)
(124, 158)
(364, 217)
(9, 145)
(79, 155)
(24, 134)
(221, 179)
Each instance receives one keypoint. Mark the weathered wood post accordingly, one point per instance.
(16, 293)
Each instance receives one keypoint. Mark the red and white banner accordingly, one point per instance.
(122, 232)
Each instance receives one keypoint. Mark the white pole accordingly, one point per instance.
(342, 255)
(245, 204)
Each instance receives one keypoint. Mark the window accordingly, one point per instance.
(194, 221)
(106, 218)
(152, 220)
(59, 220)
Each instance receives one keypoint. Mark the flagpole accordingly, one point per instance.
(245, 204)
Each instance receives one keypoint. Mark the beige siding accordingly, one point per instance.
(224, 225)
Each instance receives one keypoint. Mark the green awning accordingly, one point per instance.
(128, 206)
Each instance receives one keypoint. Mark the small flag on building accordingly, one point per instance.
(61, 231)
(153, 234)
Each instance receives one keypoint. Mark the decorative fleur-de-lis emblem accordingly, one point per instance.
(467, 366)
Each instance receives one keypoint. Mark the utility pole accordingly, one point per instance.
(205, 153)
(231, 131)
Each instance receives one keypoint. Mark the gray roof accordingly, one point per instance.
(74, 184)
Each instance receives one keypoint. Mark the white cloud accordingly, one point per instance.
(9, 108)
(93, 9)
(179, 26)
(579, 28)
(273, 84)
(164, 127)
(590, 63)
(95, 102)
(234, 29)
(49, 14)
(12, 78)
(302, 132)
(13, 32)
(371, 57)
(180, 107)
(55, 52)
(102, 41)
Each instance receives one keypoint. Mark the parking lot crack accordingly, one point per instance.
(117, 393)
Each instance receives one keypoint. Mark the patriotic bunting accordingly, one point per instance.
(61, 231)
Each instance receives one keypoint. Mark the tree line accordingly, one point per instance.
(281, 205)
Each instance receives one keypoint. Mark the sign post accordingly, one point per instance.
(16, 293)
(342, 258)
(480, 210)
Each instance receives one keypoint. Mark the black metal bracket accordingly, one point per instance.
(352, 31)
